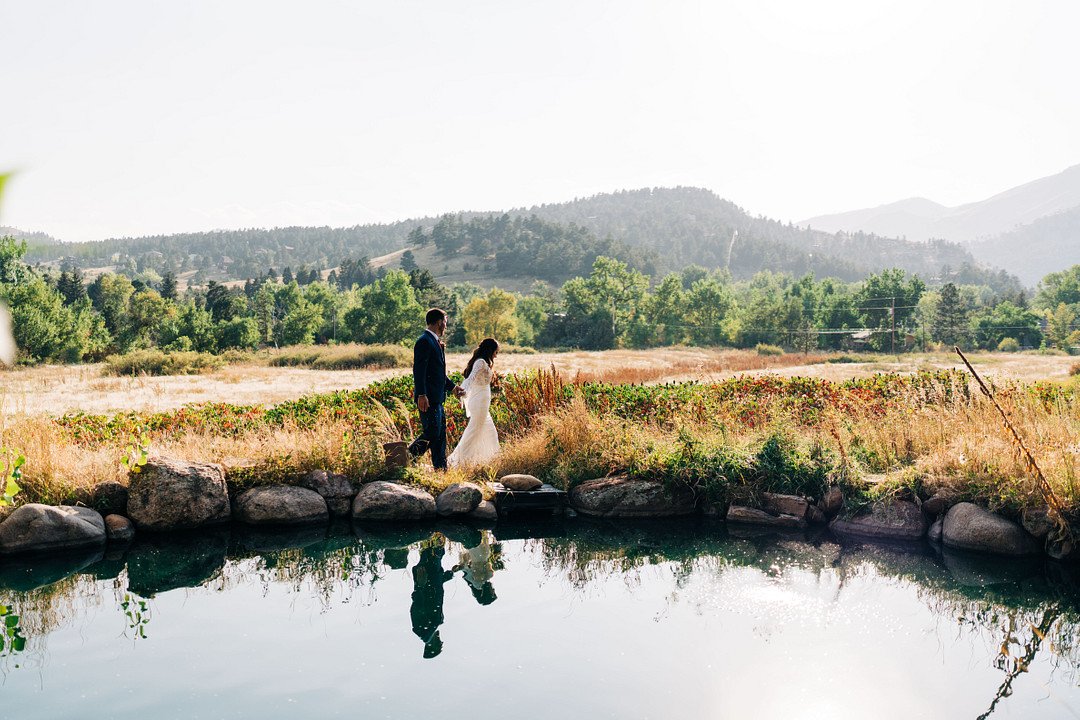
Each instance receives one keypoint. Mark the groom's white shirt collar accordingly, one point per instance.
(429, 330)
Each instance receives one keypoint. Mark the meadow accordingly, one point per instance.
(728, 424)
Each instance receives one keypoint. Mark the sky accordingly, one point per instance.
(148, 116)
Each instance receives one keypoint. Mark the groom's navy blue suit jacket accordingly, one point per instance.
(429, 370)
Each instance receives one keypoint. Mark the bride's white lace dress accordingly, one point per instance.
(480, 441)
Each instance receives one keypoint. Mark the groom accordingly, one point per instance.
(430, 386)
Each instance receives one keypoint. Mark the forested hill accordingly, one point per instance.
(31, 238)
(684, 226)
(657, 230)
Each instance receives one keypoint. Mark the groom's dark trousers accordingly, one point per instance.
(429, 378)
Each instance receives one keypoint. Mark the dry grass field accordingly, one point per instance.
(55, 390)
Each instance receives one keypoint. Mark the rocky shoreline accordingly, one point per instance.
(174, 495)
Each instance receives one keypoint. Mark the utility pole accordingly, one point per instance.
(892, 325)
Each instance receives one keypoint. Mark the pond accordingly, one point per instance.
(551, 619)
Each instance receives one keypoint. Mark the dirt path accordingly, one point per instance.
(60, 389)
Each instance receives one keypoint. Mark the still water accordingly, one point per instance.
(551, 620)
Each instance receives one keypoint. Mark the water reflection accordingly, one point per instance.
(1014, 615)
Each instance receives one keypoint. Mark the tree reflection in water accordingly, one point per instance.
(1024, 610)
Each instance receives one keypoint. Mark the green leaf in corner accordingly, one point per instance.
(12, 488)
(11, 620)
(3, 180)
(4, 610)
(18, 644)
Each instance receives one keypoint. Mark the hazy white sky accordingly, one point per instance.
(153, 116)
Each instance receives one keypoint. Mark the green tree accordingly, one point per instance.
(707, 306)
(168, 285)
(1057, 288)
(110, 294)
(1061, 326)
(388, 311)
(241, 333)
(950, 317)
(992, 325)
(43, 326)
(490, 316)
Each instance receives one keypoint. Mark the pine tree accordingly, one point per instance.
(168, 285)
(950, 319)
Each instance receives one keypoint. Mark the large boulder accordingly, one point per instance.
(118, 529)
(458, 499)
(785, 505)
(485, 512)
(172, 494)
(38, 528)
(383, 500)
(754, 516)
(281, 505)
(521, 483)
(629, 498)
(970, 527)
(1037, 521)
(897, 520)
(335, 488)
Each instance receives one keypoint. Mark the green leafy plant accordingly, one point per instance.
(137, 612)
(137, 453)
(14, 461)
(11, 638)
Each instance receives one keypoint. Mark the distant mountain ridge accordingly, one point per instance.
(1032, 229)
(657, 229)
(31, 237)
(921, 219)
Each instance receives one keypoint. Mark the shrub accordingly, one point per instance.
(1075, 369)
(1008, 345)
(344, 357)
(763, 349)
(159, 362)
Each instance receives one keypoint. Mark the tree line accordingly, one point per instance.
(60, 317)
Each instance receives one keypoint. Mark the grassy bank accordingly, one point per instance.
(729, 440)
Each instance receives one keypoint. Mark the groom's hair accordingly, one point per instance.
(434, 315)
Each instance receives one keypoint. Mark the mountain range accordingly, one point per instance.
(657, 230)
(1032, 229)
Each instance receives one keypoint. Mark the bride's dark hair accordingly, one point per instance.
(485, 350)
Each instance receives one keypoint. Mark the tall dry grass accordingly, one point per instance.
(731, 361)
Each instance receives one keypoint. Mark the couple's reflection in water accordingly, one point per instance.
(476, 565)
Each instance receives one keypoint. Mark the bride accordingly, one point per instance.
(480, 441)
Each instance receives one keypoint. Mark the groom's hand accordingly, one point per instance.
(458, 392)
(422, 403)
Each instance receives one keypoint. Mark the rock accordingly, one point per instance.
(382, 500)
(898, 520)
(36, 528)
(816, 515)
(335, 488)
(1062, 549)
(109, 498)
(934, 533)
(172, 494)
(785, 505)
(753, 516)
(622, 497)
(520, 482)
(118, 529)
(485, 512)
(833, 501)
(1037, 521)
(970, 527)
(939, 503)
(458, 499)
(281, 505)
